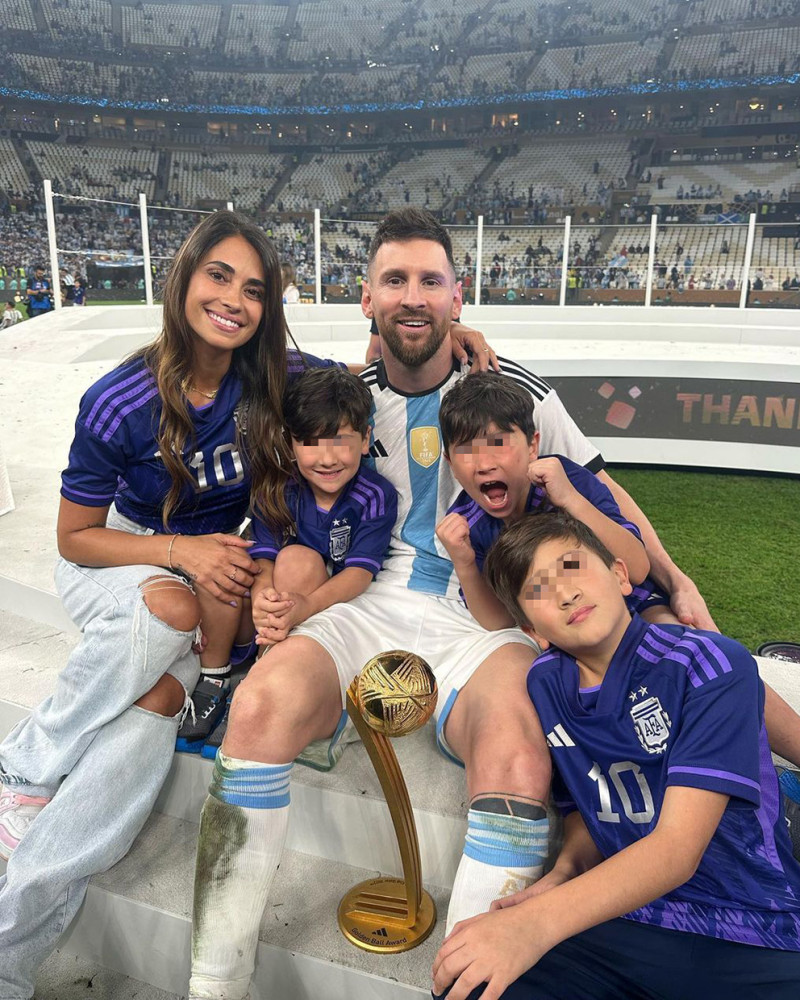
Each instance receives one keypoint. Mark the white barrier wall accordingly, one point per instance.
(690, 386)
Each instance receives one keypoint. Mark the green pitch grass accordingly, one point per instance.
(737, 537)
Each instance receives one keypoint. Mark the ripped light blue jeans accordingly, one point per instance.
(100, 757)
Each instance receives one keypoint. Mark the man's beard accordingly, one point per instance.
(413, 354)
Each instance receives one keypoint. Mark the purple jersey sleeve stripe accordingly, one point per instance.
(104, 397)
(686, 663)
(113, 405)
(633, 528)
(653, 644)
(713, 649)
(85, 499)
(374, 493)
(109, 433)
(462, 508)
(645, 654)
(263, 552)
(711, 670)
(709, 772)
(477, 515)
(122, 400)
(88, 496)
(366, 501)
(363, 561)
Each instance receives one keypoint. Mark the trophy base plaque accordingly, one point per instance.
(373, 915)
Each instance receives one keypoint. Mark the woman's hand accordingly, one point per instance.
(463, 338)
(218, 563)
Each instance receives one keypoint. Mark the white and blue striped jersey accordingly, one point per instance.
(407, 450)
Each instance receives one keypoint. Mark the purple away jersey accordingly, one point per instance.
(114, 456)
(484, 529)
(678, 707)
(356, 531)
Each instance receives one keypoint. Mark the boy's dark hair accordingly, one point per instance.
(318, 402)
(410, 224)
(508, 561)
(483, 398)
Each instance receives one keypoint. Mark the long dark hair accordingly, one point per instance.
(260, 365)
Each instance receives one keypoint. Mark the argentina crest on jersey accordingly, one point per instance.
(339, 540)
(651, 722)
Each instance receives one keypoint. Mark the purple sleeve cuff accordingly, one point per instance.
(263, 552)
(86, 499)
(715, 780)
(364, 563)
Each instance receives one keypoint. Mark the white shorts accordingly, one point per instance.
(440, 630)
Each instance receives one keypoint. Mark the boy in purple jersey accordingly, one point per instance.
(343, 511)
(492, 445)
(676, 878)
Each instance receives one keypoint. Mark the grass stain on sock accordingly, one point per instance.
(223, 833)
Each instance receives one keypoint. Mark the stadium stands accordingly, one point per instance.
(738, 53)
(13, 176)
(108, 172)
(197, 177)
(18, 16)
(184, 25)
(253, 29)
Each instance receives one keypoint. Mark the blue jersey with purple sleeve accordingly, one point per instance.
(484, 529)
(355, 532)
(114, 457)
(677, 707)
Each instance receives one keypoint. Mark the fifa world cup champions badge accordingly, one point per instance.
(393, 695)
(425, 446)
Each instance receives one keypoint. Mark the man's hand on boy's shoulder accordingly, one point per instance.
(549, 474)
(453, 532)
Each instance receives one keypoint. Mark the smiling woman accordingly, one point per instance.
(170, 449)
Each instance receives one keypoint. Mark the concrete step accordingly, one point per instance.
(340, 816)
(136, 921)
(65, 976)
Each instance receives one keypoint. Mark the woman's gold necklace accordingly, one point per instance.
(186, 388)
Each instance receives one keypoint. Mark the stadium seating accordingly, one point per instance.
(560, 168)
(183, 25)
(80, 19)
(244, 178)
(13, 176)
(429, 178)
(18, 16)
(611, 62)
(109, 171)
(254, 27)
(738, 52)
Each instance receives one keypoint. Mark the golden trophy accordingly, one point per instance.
(393, 695)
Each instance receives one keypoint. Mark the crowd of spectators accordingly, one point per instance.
(420, 56)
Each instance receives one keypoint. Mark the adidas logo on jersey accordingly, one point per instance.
(559, 737)
(377, 450)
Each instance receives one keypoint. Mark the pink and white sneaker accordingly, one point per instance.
(17, 812)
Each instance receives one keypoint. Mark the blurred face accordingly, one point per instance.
(573, 600)
(493, 469)
(225, 297)
(413, 295)
(328, 464)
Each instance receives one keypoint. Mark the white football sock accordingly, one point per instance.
(242, 833)
(502, 855)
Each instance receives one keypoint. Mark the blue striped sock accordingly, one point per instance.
(261, 786)
(506, 841)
